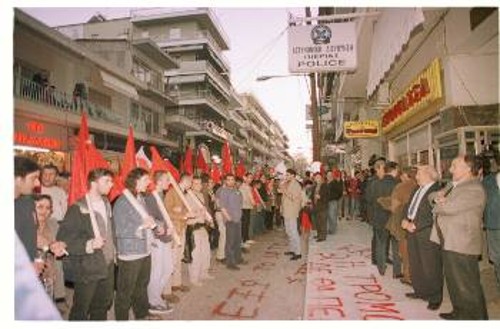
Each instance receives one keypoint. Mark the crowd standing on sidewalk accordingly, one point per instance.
(158, 226)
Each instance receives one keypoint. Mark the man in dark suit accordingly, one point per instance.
(320, 198)
(425, 256)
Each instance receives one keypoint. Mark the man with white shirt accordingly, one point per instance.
(59, 198)
(57, 194)
(425, 256)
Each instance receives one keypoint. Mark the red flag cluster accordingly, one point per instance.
(85, 158)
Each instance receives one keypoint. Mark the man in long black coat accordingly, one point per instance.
(426, 267)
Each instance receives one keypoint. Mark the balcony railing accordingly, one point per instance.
(64, 102)
(205, 94)
(163, 39)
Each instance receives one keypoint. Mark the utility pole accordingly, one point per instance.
(316, 141)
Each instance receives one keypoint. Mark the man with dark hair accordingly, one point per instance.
(230, 202)
(134, 234)
(458, 229)
(87, 229)
(26, 178)
(161, 247)
(247, 206)
(381, 187)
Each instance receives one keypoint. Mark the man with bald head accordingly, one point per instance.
(458, 229)
(425, 256)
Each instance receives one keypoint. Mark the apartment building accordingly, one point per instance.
(56, 79)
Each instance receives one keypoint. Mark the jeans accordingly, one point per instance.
(355, 207)
(293, 235)
(233, 243)
(132, 288)
(245, 224)
(493, 238)
(332, 215)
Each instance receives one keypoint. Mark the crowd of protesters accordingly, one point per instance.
(130, 253)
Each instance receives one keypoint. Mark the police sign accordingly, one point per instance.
(322, 47)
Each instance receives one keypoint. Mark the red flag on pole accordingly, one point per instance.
(215, 173)
(227, 161)
(201, 164)
(160, 164)
(94, 159)
(78, 183)
(240, 169)
(128, 164)
(188, 161)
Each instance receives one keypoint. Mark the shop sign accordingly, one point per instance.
(361, 129)
(322, 47)
(215, 129)
(424, 89)
(35, 133)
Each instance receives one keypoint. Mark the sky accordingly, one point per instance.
(258, 46)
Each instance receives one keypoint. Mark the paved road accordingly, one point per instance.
(336, 281)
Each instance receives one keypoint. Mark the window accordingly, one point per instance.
(175, 33)
(144, 119)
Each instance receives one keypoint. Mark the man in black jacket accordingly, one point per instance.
(87, 229)
(425, 256)
(382, 187)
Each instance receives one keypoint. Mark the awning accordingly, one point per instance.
(119, 85)
(391, 33)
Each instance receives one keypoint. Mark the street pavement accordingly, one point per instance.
(335, 282)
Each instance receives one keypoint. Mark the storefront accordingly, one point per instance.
(45, 142)
(411, 122)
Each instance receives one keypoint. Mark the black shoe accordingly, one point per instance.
(319, 240)
(295, 257)
(412, 295)
(381, 271)
(233, 267)
(433, 306)
(448, 316)
(389, 261)
(397, 276)
(288, 253)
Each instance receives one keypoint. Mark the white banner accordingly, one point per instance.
(322, 47)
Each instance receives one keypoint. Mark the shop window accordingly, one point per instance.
(447, 154)
(424, 157)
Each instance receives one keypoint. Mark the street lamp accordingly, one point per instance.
(267, 77)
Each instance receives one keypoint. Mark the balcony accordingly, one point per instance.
(28, 90)
(203, 96)
(197, 68)
(202, 36)
(255, 129)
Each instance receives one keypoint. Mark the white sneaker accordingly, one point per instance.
(251, 241)
(161, 309)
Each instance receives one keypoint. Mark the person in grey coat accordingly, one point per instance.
(134, 237)
(458, 229)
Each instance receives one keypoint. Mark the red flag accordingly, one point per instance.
(78, 183)
(128, 164)
(215, 173)
(227, 161)
(159, 164)
(94, 159)
(201, 164)
(188, 161)
(240, 169)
